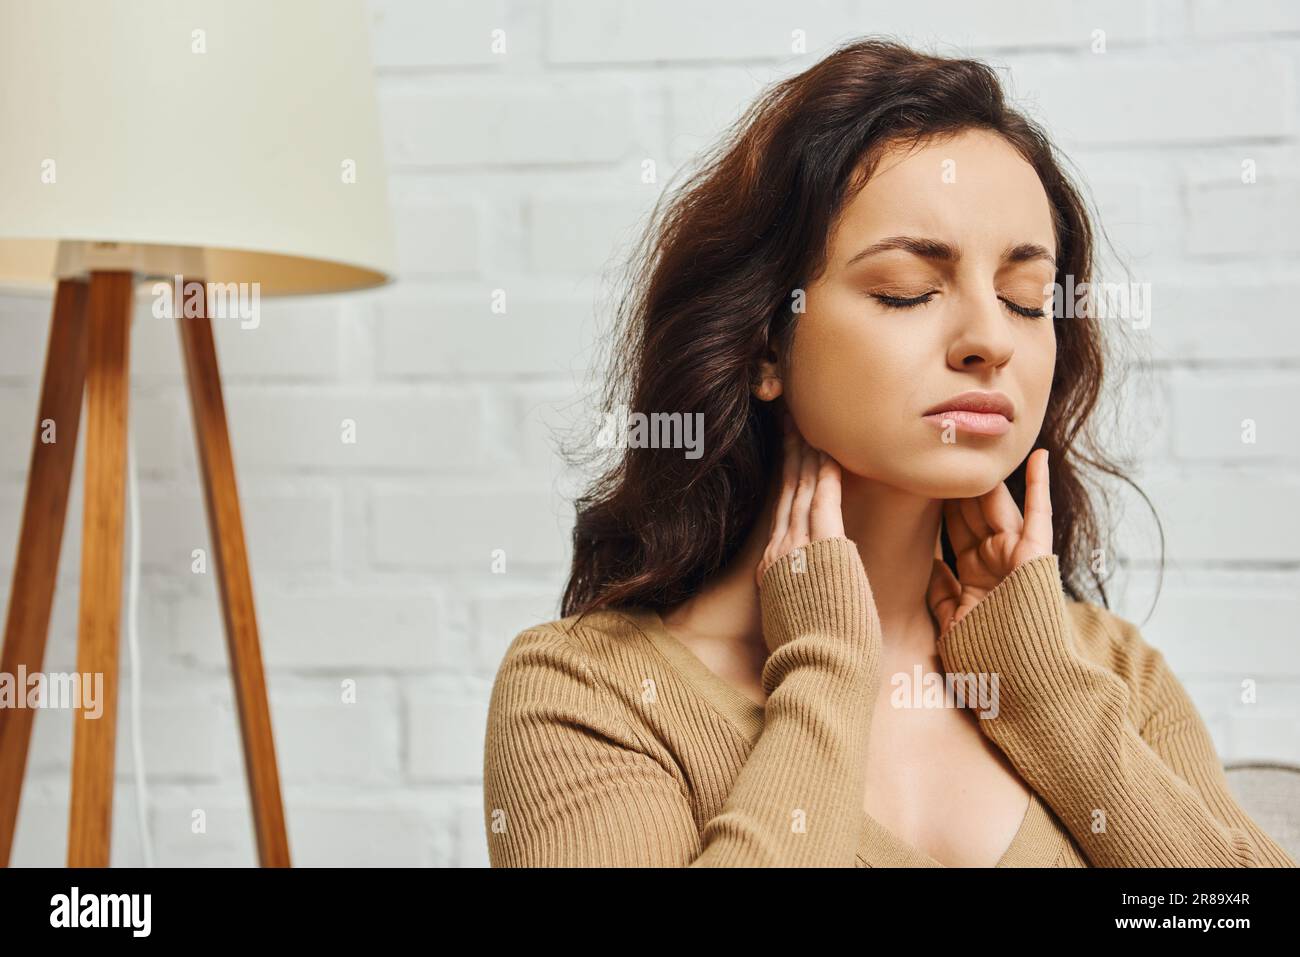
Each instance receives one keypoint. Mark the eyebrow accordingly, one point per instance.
(940, 251)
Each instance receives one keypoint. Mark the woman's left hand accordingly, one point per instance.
(990, 539)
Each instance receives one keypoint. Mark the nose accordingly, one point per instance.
(982, 335)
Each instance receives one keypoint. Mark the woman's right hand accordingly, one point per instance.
(808, 507)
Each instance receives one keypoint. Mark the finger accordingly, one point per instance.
(963, 607)
(942, 595)
(790, 457)
(938, 541)
(827, 517)
(1038, 501)
(800, 526)
(970, 510)
(1000, 510)
(959, 533)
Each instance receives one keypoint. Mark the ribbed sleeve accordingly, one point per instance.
(568, 781)
(1136, 786)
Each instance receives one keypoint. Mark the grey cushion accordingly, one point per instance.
(1270, 794)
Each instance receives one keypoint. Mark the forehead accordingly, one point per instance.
(972, 189)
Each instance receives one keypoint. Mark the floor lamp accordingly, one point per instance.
(105, 190)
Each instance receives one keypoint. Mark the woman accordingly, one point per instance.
(851, 292)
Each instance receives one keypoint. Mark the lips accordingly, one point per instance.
(979, 413)
(996, 402)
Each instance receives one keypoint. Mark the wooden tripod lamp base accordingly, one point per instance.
(88, 352)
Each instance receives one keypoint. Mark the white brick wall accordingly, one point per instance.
(522, 173)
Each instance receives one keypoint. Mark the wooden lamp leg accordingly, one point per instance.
(225, 524)
(88, 351)
(108, 343)
(36, 565)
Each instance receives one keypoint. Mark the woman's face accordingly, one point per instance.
(862, 373)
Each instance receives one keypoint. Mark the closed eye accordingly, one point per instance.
(1024, 310)
(897, 302)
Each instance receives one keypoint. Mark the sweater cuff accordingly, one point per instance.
(819, 588)
(1020, 632)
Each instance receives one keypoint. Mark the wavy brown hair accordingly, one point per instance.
(710, 290)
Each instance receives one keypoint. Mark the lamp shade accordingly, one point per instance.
(246, 130)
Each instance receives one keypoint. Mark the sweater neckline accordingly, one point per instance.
(878, 846)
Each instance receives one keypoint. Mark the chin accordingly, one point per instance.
(956, 489)
(954, 477)
(928, 470)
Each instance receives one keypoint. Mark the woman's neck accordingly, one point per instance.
(895, 533)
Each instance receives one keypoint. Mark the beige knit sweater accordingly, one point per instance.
(609, 743)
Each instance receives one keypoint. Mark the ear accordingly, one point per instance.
(767, 383)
